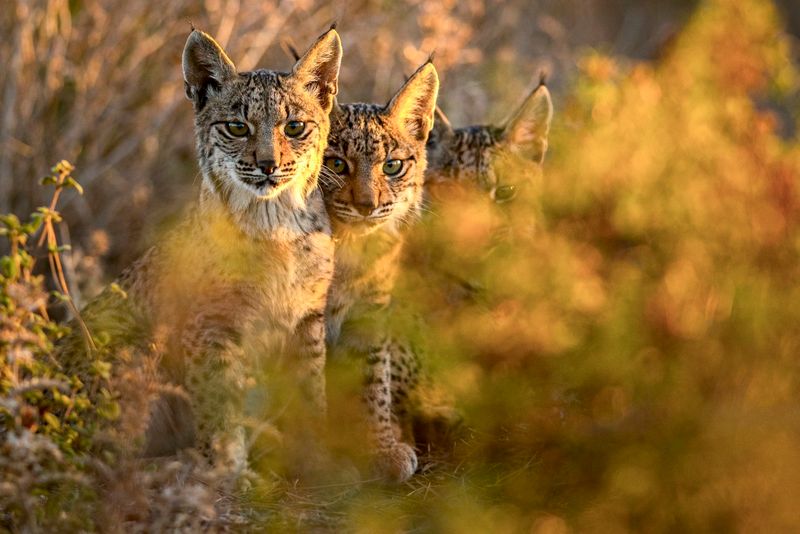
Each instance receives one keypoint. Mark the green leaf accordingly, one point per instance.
(101, 369)
(59, 296)
(9, 267)
(52, 420)
(25, 259)
(53, 249)
(11, 221)
(71, 182)
(109, 410)
(63, 166)
(35, 223)
(115, 288)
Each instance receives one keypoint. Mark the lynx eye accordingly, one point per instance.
(392, 167)
(237, 129)
(294, 128)
(337, 165)
(505, 193)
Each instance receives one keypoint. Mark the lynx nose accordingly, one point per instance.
(365, 208)
(267, 166)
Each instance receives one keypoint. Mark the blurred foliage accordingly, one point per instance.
(621, 339)
(63, 461)
(630, 359)
(47, 419)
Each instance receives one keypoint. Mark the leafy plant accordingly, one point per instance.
(46, 415)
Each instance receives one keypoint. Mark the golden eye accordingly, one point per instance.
(237, 129)
(337, 165)
(294, 128)
(505, 193)
(392, 167)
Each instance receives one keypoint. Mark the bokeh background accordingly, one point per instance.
(622, 345)
(100, 85)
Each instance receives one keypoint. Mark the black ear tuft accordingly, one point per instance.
(542, 77)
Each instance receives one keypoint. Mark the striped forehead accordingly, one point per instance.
(362, 128)
(265, 94)
(475, 137)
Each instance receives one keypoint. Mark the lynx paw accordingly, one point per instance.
(397, 463)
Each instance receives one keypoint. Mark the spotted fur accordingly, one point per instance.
(245, 277)
(468, 156)
(370, 210)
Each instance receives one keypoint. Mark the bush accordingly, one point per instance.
(47, 418)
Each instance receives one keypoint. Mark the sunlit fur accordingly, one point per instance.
(275, 282)
(265, 101)
(363, 138)
(243, 280)
(368, 212)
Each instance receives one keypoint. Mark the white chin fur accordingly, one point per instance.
(267, 193)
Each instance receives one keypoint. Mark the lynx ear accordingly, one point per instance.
(337, 113)
(441, 125)
(318, 69)
(205, 67)
(529, 126)
(412, 108)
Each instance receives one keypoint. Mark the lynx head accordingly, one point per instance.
(471, 155)
(375, 160)
(260, 134)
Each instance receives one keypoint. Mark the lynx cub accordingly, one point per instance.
(378, 155)
(469, 155)
(245, 277)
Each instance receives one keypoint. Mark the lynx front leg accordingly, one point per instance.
(405, 369)
(310, 338)
(396, 460)
(215, 398)
(424, 412)
(215, 376)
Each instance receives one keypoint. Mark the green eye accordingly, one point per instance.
(337, 165)
(294, 128)
(237, 129)
(505, 193)
(392, 167)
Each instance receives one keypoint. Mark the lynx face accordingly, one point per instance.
(260, 133)
(476, 154)
(375, 160)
